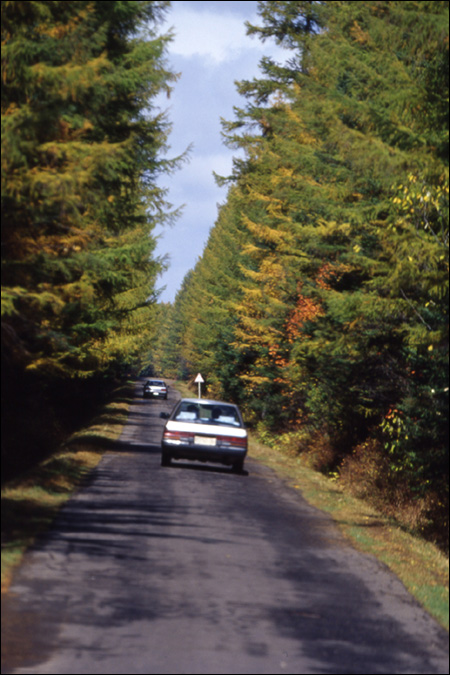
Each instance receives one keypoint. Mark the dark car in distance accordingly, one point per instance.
(207, 431)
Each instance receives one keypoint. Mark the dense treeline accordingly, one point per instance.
(320, 303)
(81, 146)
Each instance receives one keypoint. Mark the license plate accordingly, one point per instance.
(204, 440)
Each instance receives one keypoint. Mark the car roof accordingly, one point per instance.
(207, 401)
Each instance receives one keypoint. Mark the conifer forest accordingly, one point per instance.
(320, 303)
(81, 151)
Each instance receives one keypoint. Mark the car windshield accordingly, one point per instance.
(155, 383)
(208, 413)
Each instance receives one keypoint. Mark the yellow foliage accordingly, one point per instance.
(61, 30)
(301, 135)
(360, 35)
(265, 233)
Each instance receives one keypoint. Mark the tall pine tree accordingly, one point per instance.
(80, 156)
(82, 147)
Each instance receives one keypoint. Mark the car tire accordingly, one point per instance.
(238, 466)
(165, 459)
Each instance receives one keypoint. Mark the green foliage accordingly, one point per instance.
(81, 153)
(333, 243)
(80, 146)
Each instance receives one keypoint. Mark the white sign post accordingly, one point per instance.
(199, 379)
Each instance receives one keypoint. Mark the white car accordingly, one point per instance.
(155, 389)
(204, 430)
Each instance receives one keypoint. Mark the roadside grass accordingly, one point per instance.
(31, 502)
(421, 566)
(185, 390)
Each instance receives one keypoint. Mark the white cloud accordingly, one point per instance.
(219, 37)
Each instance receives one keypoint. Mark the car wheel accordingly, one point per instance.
(238, 466)
(165, 459)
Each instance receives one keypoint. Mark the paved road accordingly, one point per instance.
(194, 569)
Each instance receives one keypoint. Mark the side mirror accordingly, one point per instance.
(164, 415)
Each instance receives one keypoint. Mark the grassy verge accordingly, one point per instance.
(30, 503)
(185, 390)
(420, 565)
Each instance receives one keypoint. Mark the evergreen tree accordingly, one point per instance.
(81, 152)
(339, 322)
(80, 155)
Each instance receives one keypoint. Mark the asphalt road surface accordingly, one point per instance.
(194, 569)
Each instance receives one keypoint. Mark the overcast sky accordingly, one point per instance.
(211, 51)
